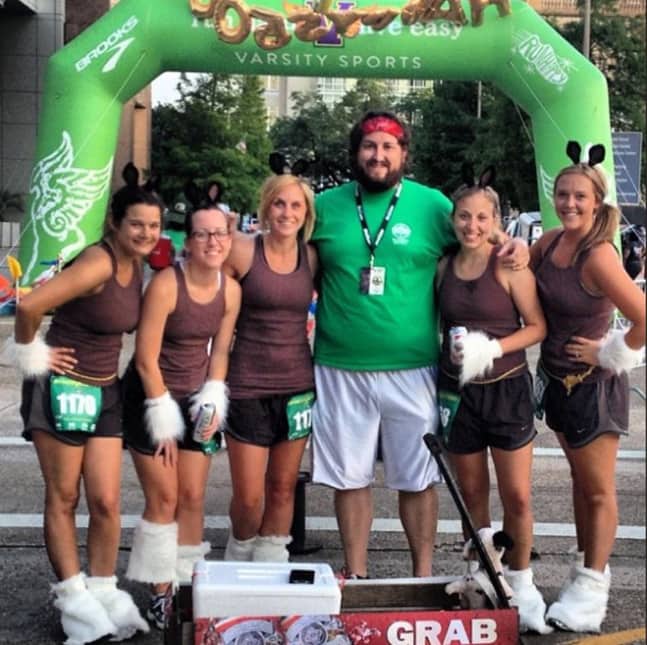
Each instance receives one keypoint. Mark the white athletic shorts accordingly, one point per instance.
(356, 410)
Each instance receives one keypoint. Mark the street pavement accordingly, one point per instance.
(27, 615)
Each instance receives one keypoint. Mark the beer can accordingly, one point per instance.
(205, 416)
(456, 336)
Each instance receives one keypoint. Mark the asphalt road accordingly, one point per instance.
(27, 615)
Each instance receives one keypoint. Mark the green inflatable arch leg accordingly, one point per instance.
(89, 80)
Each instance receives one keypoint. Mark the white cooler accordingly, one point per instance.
(224, 589)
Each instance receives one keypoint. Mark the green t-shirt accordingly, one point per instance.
(396, 330)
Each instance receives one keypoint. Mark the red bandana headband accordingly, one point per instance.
(383, 124)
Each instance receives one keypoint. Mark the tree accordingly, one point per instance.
(618, 49)
(504, 139)
(443, 130)
(217, 131)
(319, 133)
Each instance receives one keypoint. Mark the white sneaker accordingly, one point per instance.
(528, 600)
(582, 605)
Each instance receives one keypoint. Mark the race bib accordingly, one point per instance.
(448, 403)
(75, 406)
(299, 413)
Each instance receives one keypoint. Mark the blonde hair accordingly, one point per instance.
(606, 218)
(272, 186)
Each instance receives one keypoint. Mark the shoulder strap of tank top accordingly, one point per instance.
(440, 275)
(222, 282)
(180, 279)
(492, 260)
(113, 258)
(553, 244)
(259, 251)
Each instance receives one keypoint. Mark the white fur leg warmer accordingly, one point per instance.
(119, 605)
(239, 550)
(83, 617)
(163, 418)
(479, 353)
(32, 359)
(154, 553)
(527, 598)
(216, 393)
(271, 548)
(187, 556)
(616, 355)
(582, 605)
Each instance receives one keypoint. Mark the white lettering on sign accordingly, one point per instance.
(113, 43)
(478, 631)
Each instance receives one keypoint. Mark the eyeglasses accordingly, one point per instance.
(202, 235)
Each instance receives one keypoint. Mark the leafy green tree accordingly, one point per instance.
(319, 134)
(618, 49)
(216, 131)
(442, 130)
(504, 139)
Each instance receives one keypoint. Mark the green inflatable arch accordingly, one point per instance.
(89, 80)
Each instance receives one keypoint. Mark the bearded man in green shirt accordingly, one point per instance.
(379, 239)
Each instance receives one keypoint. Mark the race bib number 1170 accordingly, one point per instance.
(76, 406)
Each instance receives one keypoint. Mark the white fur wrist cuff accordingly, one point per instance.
(163, 419)
(616, 355)
(479, 353)
(31, 358)
(214, 392)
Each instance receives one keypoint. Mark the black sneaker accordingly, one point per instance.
(159, 609)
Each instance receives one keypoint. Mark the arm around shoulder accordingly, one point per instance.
(241, 255)
(538, 249)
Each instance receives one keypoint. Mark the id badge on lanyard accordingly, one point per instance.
(372, 279)
(75, 406)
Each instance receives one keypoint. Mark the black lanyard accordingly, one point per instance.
(372, 245)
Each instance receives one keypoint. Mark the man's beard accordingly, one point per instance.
(378, 185)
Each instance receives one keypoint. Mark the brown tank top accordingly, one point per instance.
(271, 354)
(184, 356)
(479, 305)
(93, 325)
(570, 310)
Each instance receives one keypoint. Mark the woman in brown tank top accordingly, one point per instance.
(271, 374)
(583, 368)
(180, 364)
(72, 448)
(495, 410)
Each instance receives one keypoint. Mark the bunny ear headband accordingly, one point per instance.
(130, 175)
(196, 196)
(486, 178)
(280, 166)
(574, 152)
(153, 184)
